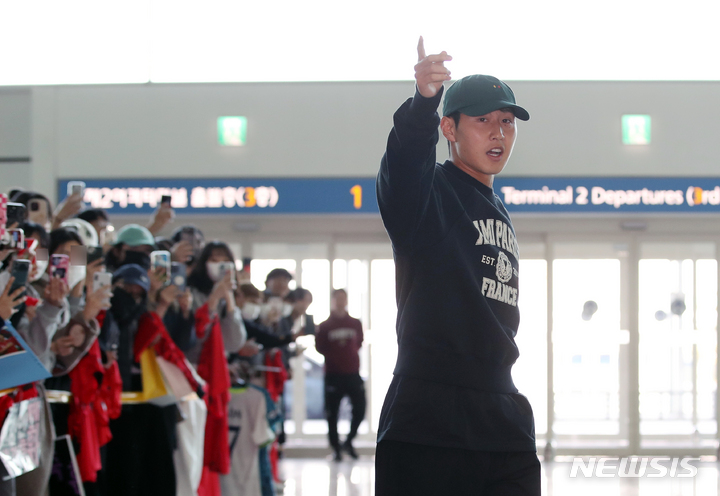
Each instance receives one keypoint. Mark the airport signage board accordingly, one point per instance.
(609, 194)
(231, 196)
(599, 195)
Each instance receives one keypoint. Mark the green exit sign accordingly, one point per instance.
(232, 130)
(636, 129)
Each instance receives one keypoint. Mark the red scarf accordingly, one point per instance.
(96, 395)
(275, 384)
(152, 332)
(213, 368)
(275, 381)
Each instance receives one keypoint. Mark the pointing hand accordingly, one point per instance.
(430, 71)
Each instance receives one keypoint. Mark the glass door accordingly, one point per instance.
(677, 318)
(588, 337)
(367, 272)
(309, 264)
(530, 370)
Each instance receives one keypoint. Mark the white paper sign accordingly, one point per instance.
(20, 437)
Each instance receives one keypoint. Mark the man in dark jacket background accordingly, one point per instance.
(339, 339)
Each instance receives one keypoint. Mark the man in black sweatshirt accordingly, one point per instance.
(453, 421)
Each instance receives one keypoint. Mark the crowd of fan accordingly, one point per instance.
(222, 334)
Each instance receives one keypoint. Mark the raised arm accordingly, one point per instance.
(406, 170)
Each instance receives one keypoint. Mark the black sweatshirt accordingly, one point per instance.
(456, 259)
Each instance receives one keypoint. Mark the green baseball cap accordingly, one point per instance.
(135, 235)
(480, 95)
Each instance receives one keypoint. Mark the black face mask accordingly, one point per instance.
(124, 307)
(137, 257)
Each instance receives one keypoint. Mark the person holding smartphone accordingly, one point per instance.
(292, 325)
(39, 258)
(133, 245)
(10, 301)
(188, 241)
(163, 216)
(249, 300)
(220, 331)
(212, 288)
(38, 207)
(453, 422)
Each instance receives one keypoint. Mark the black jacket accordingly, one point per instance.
(456, 259)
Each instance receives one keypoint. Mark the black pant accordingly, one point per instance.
(405, 468)
(140, 454)
(337, 386)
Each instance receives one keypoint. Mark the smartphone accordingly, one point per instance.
(94, 253)
(160, 261)
(20, 271)
(166, 199)
(76, 188)
(178, 276)
(226, 267)
(60, 266)
(38, 211)
(101, 280)
(15, 213)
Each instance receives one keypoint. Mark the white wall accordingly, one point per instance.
(15, 122)
(340, 129)
(15, 137)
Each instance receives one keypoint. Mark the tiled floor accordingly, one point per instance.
(319, 477)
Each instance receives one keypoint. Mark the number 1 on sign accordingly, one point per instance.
(356, 191)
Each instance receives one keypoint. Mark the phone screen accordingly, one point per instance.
(101, 279)
(76, 188)
(15, 213)
(60, 265)
(20, 271)
(178, 275)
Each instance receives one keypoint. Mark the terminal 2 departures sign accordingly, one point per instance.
(609, 194)
(577, 195)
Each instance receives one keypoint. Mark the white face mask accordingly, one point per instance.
(42, 266)
(217, 270)
(287, 309)
(251, 311)
(76, 274)
(214, 271)
(273, 308)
